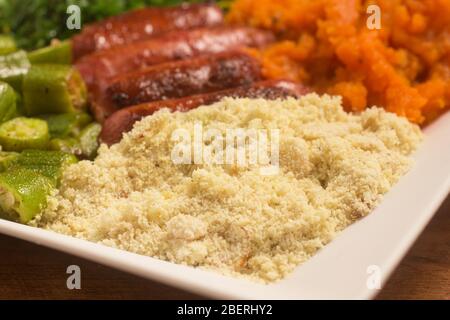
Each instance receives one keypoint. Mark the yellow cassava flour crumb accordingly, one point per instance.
(334, 169)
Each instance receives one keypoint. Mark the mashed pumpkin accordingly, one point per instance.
(404, 66)
(334, 169)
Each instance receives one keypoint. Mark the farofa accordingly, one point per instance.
(334, 169)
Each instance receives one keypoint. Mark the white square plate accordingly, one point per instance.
(340, 271)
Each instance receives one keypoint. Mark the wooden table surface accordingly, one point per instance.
(28, 271)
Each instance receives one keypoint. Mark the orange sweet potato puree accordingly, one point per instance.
(403, 67)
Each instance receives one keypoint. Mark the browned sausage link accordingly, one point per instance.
(123, 120)
(184, 78)
(143, 24)
(98, 67)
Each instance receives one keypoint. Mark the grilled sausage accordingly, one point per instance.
(98, 67)
(142, 24)
(184, 78)
(123, 120)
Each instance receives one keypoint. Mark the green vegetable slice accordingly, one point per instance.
(6, 159)
(23, 193)
(7, 44)
(53, 88)
(13, 67)
(89, 140)
(60, 53)
(66, 124)
(50, 164)
(24, 133)
(67, 145)
(8, 99)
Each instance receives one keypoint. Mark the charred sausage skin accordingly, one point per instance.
(123, 120)
(98, 67)
(184, 78)
(143, 24)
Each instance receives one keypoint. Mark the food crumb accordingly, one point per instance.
(334, 169)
